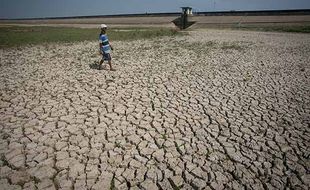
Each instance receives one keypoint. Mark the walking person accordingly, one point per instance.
(105, 47)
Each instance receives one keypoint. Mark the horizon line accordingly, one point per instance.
(161, 13)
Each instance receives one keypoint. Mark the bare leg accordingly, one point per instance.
(110, 64)
(100, 64)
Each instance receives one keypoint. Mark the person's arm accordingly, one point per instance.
(110, 46)
(100, 44)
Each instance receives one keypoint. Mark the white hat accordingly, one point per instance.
(103, 26)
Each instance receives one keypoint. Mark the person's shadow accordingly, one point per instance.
(94, 66)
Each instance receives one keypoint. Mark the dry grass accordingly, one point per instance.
(17, 36)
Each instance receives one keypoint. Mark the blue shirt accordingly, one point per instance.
(105, 46)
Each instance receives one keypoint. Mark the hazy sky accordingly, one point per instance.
(56, 8)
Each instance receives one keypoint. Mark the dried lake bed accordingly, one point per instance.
(214, 109)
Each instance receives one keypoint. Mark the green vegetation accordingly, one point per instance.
(17, 36)
(164, 136)
(117, 145)
(233, 46)
(112, 184)
(200, 48)
(205, 47)
(299, 29)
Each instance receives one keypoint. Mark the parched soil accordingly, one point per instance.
(216, 109)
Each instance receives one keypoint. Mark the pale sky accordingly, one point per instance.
(60, 8)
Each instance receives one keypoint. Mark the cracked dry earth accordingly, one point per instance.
(212, 109)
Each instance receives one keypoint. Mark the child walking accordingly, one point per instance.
(105, 47)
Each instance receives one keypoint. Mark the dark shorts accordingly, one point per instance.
(106, 57)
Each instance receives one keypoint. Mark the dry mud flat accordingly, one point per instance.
(214, 110)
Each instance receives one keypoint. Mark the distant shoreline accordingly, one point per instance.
(217, 13)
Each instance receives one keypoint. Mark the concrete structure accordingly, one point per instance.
(187, 10)
(183, 22)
